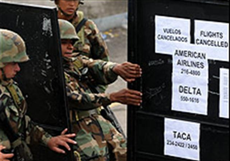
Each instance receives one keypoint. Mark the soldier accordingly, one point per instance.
(91, 43)
(16, 128)
(95, 135)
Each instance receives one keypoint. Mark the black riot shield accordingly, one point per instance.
(41, 79)
(183, 49)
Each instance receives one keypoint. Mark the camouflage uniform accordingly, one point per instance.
(17, 118)
(12, 49)
(91, 43)
(94, 134)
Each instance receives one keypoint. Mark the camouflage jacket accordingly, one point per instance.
(16, 113)
(82, 86)
(91, 43)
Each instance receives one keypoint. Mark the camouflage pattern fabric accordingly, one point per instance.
(17, 118)
(12, 48)
(82, 96)
(91, 43)
(67, 31)
(96, 136)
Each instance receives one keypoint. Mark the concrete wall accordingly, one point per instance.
(104, 8)
(92, 8)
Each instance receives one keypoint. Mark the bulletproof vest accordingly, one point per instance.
(76, 69)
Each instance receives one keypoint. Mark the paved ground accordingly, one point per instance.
(116, 40)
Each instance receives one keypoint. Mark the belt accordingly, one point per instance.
(83, 114)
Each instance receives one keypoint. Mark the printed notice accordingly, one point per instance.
(169, 31)
(224, 93)
(190, 80)
(215, 35)
(182, 139)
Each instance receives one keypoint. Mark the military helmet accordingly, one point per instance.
(67, 30)
(12, 48)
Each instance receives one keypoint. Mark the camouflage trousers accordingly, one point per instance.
(98, 140)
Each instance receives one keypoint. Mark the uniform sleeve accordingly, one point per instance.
(35, 134)
(15, 110)
(100, 71)
(99, 49)
(82, 100)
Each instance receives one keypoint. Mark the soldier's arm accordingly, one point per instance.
(101, 71)
(107, 71)
(86, 101)
(36, 135)
(99, 49)
(81, 99)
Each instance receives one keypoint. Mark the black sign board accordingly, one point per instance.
(183, 49)
(41, 79)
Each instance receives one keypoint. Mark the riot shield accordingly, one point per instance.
(41, 79)
(183, 49)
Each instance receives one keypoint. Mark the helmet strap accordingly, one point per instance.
(4, 75)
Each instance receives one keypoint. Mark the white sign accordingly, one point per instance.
(182, 139)
(213, 34)
(190, 80)
(224, 93)
(172, 33)
(169, 31)
(190, 61)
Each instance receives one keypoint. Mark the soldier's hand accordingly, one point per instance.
(127, 96)
(61, 140)
(128, 71)
(5, 157)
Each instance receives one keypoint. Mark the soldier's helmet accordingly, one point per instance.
(80, 1)
(12, 48)
(67, 30)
